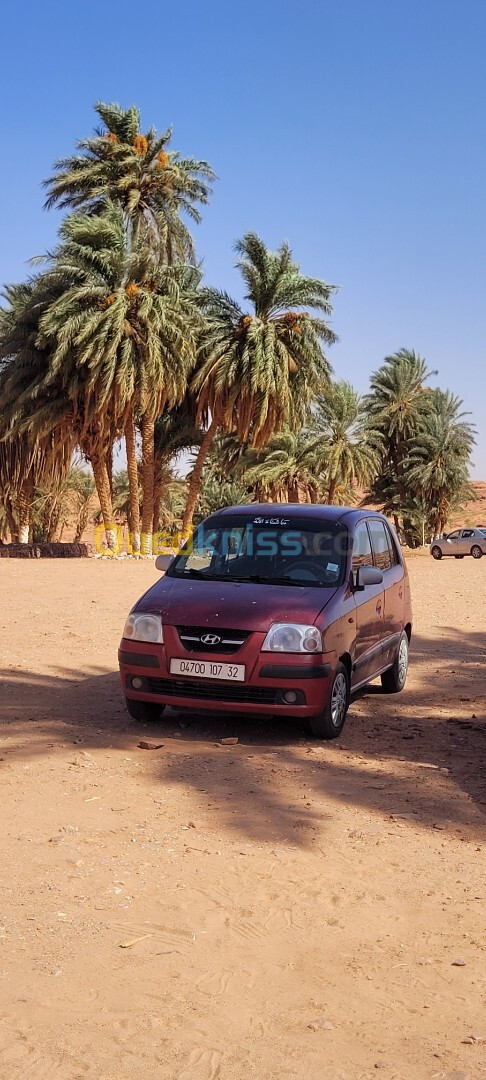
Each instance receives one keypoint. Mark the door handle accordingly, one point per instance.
(378, 608)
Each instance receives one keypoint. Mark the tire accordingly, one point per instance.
(458, 556)
(394, 679)
(476, 552)
(146, 711)
(436, 553)
(330, 722)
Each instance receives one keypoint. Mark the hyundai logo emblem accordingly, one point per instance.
(210, 639)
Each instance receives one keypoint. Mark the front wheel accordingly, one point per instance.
(476, 552)
(146, 711)
(394, 679)
(330, 722)
(436, 553)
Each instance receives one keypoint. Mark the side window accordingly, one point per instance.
(392, 546)
(379, 544)
(362, 555)
(467, 533)
(455, 535)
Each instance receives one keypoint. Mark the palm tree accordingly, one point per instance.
(258, 370)
(217, 493)
(52, 508)
(82, 487)
(437, 464)
(35, 403)
(122, 335)
(344, 449)
(395, 404)
(151, 183)
(27, 455)
(32, 480)
(170, 501)
(176, 431)
(416, 512)
(283, 471)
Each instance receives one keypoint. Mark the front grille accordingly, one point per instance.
(213, 692)
(229, 640)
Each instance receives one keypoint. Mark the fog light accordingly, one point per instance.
(290, 697)
(137, 682)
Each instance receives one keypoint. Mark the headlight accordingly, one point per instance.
(293, 637)
(143, 627)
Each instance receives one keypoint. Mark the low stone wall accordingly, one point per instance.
(46, 551)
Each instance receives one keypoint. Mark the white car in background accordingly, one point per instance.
(459, 543)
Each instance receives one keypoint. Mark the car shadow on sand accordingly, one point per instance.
(419, 755)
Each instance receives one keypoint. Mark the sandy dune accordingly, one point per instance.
(270, 885)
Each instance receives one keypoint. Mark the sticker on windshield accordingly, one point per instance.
(270, 521)
(333, 567)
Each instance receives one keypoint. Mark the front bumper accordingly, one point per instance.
(269, 676)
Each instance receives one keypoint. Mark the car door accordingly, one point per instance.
(369, 612)
(382, 559)
(388, 560)
(452, 546)
(468, 539)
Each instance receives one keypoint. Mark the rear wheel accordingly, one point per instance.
(394, 679)
(476, 552)
(147, 711)
(436, 553)
(330, 722)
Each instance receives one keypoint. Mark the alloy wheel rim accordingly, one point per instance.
(402, 661)
(338, 699)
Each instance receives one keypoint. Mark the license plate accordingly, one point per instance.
(208, 669)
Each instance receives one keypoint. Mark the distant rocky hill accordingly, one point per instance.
(474, 512)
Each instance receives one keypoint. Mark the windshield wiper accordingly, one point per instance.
(260, 579)
(253, 579)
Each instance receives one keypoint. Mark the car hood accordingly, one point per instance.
(233, 604)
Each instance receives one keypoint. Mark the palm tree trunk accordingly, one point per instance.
(148, 461)
(102, 481)
(81, 523)
(24, 506)
(11, 522)
(132, 471)
(194, 485)
(109, 468)
(332, 490)
(157, 498)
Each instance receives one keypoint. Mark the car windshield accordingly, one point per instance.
(266, 550)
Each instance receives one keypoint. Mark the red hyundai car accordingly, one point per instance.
(272, 609)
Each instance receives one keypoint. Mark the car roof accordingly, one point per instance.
(298, 510)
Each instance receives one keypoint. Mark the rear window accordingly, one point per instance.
(264, 549)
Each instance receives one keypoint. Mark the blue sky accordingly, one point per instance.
(354, 129)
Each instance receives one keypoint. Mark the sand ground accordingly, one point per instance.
(271, 884)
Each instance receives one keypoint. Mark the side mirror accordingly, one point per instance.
(367, 575)
(163, 562)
